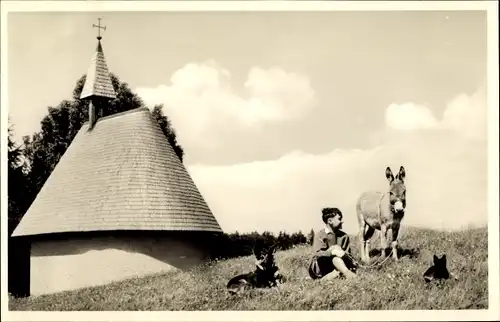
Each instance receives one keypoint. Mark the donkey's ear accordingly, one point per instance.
(402, 173)
(388, 174)
(443, 259)
(436, 259)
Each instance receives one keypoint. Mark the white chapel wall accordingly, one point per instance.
(71, 264)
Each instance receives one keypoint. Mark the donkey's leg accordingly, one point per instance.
(361, 237)
(368, 235)
(383, 239)
(394, 243)
(389, 235)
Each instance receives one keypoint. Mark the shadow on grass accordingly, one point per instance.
(402, 252)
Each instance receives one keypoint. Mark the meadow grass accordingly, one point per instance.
(392, 286)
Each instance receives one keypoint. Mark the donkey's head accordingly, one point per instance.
(397, 190)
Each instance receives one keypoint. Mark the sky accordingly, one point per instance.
(283, 113)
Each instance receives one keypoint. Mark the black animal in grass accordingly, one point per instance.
(266, 274)
(438, 271)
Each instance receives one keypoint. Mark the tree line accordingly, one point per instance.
(236, 244)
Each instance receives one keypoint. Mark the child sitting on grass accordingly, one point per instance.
(330, 246)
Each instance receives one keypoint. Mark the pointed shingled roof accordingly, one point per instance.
(98, 82)
(124, 175)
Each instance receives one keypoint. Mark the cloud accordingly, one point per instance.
(288, 193)
(204, 108)
(465, 114)
(446, 180)
(277, 95)
(409, 116)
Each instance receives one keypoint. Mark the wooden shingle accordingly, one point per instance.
(98, 82)
(123, 175)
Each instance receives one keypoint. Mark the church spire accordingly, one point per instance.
(98, 86)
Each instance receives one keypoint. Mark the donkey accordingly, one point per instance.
(266, 275)
(383, 212)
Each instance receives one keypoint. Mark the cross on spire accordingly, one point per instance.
(99, 27)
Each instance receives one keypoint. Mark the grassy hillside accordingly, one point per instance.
(392, 286)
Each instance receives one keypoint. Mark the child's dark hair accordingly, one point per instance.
(330, 212)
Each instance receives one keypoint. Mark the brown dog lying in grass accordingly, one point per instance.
(266, 274)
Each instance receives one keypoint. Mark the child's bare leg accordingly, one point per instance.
(332, 275)
(340, 266)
